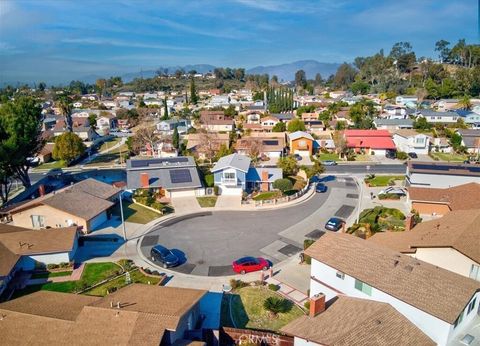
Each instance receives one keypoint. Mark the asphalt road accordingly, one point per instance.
(367, 168)
(208, 243)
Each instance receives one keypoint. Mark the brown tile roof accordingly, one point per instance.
(95, 188)
(8, 260)
(459, 230)
(353, 321)
(400, 276)
(407, 133)
(46, 318)
(30, 242)
(460, 197)
(84, 199)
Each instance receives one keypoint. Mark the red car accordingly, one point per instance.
(250, 264)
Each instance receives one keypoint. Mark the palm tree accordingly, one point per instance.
(66, 110)
(465, 103)
(276, 305)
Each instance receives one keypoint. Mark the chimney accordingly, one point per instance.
(41, 190)
(144, 180)
(264, 180)
(409, 222)
(317, 304)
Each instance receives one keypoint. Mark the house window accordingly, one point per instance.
(340, 275)
(419, 140)
(471, 306)
(362, 286)
(475, 272)
(229, 176)
(458, 320)
(38, 221)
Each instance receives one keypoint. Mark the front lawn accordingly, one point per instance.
(136, 276)
(52, 165)
(207, 202)
(109, 144)
(92, 274)
(135, 213)
(378, 219)
(263, 196)
(383, 180)
(449, 157)
(248, 311)
(328, 157)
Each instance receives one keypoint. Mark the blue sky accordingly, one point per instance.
(59, 40)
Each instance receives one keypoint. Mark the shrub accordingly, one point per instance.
(388, 196)
(276, 305)
(306, 244)
(209, 180)
(236, 284)
(401, 155)
(64, 265)
(273, 287)
(307, 305)
(216, 190)
(283, 184)
(52, 266)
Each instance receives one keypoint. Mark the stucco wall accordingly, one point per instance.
(295, 145)
(446, 258)
(53, 217)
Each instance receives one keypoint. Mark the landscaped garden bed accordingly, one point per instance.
(207, 201)
(378, 219)
(383, 180)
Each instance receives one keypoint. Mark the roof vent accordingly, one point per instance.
(395, 263)
(408, 268)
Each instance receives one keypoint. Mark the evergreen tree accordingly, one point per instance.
(193, 92)
(165, 107)
(175, 138)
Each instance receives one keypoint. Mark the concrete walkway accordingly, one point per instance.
(228, 202)
(76, 275)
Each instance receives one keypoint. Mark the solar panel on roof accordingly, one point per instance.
(270, 142)
(180, 176)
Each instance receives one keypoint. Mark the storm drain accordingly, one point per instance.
(344, 211)
(350, 184)
(289, 250)
(220, 270)
(315, 234)
(150, 240)
(352, 195)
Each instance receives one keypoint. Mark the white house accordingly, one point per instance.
(410, 141)
(442, 304)
(220, 101)
(469, 117)
(434, 117)
(168, 126)
(445, 242)
(441, 174)
(393, 124)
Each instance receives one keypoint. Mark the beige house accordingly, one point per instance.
(451, 242)
(84, 204)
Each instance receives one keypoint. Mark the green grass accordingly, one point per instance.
(52, 165)
(207, 202)
(360, 157)
(384, 180)
(111, 157)
(92, 274)
(135, 213)
(46, 275)
(248, 311)
(135, 276)
(109, 144)
(449, 157)
(380, 219)
(263, 196)
(328, 157)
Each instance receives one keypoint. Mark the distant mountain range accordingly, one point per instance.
(286, 72)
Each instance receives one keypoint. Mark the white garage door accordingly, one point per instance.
(182, 193)
(98, 220)
(230, 191)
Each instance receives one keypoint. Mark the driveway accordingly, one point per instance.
(208, 242)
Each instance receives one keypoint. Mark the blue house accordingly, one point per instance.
(234, 174)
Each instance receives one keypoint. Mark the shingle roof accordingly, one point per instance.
(400, 276)
(408, 133)
(240, 162)
(95, 188)
(300, 134)
(448, 231)
(46, 318)
(459, 197)
(386, 122)
(353, 321)
(8, 260)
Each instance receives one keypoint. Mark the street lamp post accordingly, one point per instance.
(121, 215)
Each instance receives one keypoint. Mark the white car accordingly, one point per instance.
(394, 190)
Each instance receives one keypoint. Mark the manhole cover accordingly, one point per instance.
(150, 240)
(289, 250)
(344, 211)
(220, 270)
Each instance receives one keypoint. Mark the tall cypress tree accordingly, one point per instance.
(165, 108)
(193, 92)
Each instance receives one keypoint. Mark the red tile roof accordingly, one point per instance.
(373, 139)
(367, 133)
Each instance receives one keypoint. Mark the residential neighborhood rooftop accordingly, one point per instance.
(400, 276)
(444, 168)
(459, 197)
(240, 162)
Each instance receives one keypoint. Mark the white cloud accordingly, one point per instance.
(120, 43)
